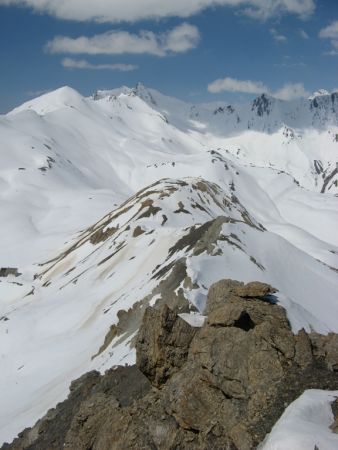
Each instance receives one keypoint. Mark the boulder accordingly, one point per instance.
(220, 292)
(225, 290)
(254, 289)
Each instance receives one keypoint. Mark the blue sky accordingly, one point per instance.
(197, 50)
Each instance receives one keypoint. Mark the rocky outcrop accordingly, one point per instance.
(334, 425)
(222, 386)
(326, 347)
(224, 291)
(7, 271)
(163, 344)
(87, 406)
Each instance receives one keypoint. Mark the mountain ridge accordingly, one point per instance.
(201, 202)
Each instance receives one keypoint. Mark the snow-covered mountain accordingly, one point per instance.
(129, 197)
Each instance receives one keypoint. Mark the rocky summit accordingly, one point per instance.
(222, 385)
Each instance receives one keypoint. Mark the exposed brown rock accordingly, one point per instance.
(220, 292)
(254, 289)
(334, 426)
(303, 349)
(326, 347)
(138, 231)
(151, 210)
(91, 400)
(220, 387)
(102, 234)
(163, 344)
(6, 271)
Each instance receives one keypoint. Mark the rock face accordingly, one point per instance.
(222, 386)
(89, 399)
(163, 344)
(334, 425)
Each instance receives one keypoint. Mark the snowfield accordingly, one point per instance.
(104, 200)
(305, 424)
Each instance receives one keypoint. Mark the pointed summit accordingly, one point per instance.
(263, 104)
(144, 93)
(52, 101)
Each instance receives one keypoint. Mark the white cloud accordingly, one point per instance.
(232, 85)
(331, 53)
(71, 63)
(290, 64)
(264, 9)
(291, 91)
(37, 93)
(180, 39)
(277, 36)
(133, 10)
(287, 92)
(303, 34)
(331, 32)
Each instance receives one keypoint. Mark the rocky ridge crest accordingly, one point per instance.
(221, 386)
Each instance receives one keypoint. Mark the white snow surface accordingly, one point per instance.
(194, 319)
(305, 424)
(79, 175)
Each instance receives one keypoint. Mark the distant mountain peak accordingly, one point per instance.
(64, 96)
(263, 104)
(144, 93)
(319, 93)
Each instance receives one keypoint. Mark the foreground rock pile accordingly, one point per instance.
(222, 386)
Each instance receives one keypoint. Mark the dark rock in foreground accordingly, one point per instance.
(222, 386)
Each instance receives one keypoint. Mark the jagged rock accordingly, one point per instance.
(303, 349)
(219, 292)
(334, 425)
(237, 363)
(326, 347)
(91, 398)
(254, 289)
(163, 344)
(245, 346)
(225, 290)
(88, 420)
(222, 386)
(138, 231)
(7, 271)
(196, 403)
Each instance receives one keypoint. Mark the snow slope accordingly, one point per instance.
(305, 424)
(128, 197)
